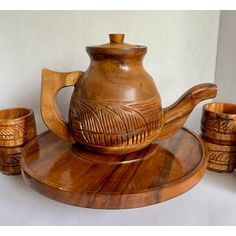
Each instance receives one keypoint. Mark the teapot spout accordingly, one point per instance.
(175, 115)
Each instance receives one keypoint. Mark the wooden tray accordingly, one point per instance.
(73, 175)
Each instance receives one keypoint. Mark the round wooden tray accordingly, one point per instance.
(73, 175)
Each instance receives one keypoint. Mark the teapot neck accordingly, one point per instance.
(120, 59)
(118, 54)
(117, 62)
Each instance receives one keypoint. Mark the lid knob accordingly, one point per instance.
(116, 38)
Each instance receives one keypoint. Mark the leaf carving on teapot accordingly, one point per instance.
(125, 123)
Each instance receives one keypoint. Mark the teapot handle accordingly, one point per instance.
(52, 82)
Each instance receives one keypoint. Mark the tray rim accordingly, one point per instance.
(198, 170)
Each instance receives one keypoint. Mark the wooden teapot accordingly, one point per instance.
(115, 107)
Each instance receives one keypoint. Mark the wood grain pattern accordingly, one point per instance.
(17, 126)
(218, 125)
(73, 175)
(115, 107)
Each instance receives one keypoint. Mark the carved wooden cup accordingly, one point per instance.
(218, 127)
(17, 128)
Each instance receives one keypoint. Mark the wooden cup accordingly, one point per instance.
(17, 130)
(218, 126)
(17, 126)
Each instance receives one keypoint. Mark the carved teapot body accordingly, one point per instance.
(115, 107)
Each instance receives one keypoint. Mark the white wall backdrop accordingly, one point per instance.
(226, 58)
(181, 50)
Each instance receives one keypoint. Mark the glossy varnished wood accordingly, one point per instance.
(218, 126)
(73, 175)
(17, 126)
(115, 107)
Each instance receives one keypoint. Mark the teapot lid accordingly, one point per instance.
(117, 46)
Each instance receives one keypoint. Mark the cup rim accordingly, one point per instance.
(226, 115)
(28, 110)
